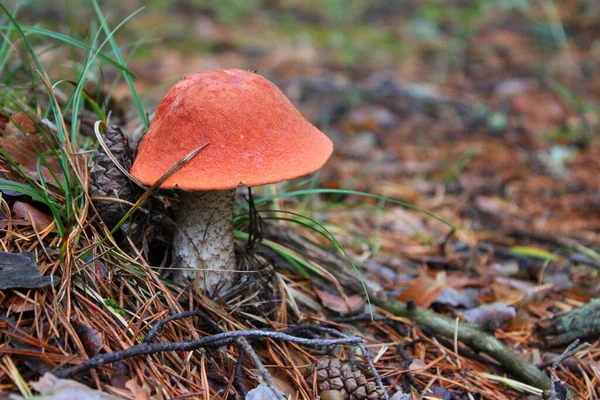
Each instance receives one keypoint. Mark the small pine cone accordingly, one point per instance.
(108, 181)
(332, 374)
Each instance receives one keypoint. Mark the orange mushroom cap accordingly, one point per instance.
(255, 134)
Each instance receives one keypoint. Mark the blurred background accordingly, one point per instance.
(483, 112)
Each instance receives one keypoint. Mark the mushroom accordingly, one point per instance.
(256, 136)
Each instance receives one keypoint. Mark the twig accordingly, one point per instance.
(264, 373)
(463, 350)
(409, 379)
(195, 313)
(366, 317)
(239, 373)
(445, 242)
(218, 340)
(569, 351)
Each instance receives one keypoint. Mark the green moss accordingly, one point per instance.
(114, 306)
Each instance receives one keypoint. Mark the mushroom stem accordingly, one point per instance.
(204, 239)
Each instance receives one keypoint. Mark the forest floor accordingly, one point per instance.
(486, 114)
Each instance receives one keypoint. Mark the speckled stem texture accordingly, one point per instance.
(204, 239)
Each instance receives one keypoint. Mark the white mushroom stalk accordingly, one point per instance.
(203, 248)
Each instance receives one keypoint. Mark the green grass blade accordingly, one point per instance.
(119, 56)
(4, 49)
(322, 230)
(296, 261)
(351, 192)
(90, 57)
(15, 25)
(73, 42)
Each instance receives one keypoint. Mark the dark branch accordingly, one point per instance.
(213, 341)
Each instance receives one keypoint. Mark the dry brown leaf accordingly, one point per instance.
(20, 305)
(139, 392)
(22, 142)
(496, 206)
(337, 303)
(32, 215)
(423, 290)
(284, 386)
(90, 337)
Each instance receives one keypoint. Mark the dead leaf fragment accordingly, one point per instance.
(416, 365)
(90, 337)
(53, 388)
(25, 145)
(353, 305)
(262, 392)
(21, 271)
(32, 215)
(138, 391)
(423, 290)
(491, 316)
(466, 298)
(399, 395)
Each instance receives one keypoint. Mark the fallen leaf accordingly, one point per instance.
(20, 305)
(416, 365)
(496, 206)
(440, 393)
(361, 146)
(19, 270)
(119, 381)
(405, 192)
(491, 316)
(399, 395)
(138, 391)
(338, 304)
(402, 221)
(423, 290)
(512, 87)
(90, 337)
(261, 392)
(368, 118)
(466, 298)
(27, 212)
(53, 388)
(22, 142)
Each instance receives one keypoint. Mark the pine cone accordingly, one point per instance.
(108, 181)
(332, 374)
